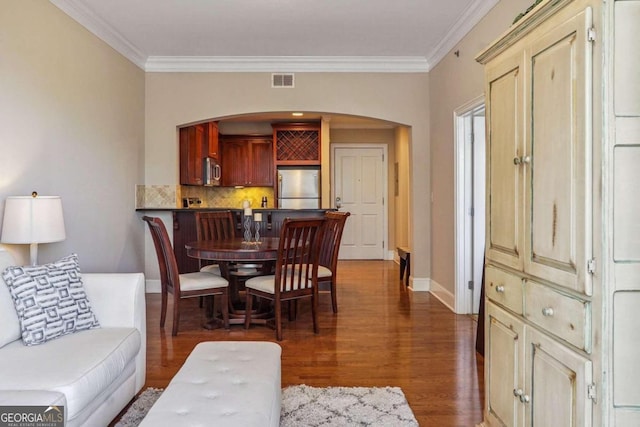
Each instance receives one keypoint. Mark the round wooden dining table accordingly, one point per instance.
(234, 250)
(229, 251)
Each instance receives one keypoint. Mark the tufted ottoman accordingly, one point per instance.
(223, 383)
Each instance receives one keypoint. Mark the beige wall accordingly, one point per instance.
(71, 124)
(173, 99)
(454, 82)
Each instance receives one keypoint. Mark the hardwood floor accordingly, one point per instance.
(383, 335)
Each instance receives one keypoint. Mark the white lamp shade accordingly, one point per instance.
(30, 219)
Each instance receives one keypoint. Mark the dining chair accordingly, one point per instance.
(187, 285)
(328, 259)
(296, 271)
(217, 225)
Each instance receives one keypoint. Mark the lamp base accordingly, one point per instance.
(33, 252)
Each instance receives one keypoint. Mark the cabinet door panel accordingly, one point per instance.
(557, 144)
(235, 155)
(557, 384)
(626, 65)
(504, 370)
(504, 177)
(191, 140)
(262, 163)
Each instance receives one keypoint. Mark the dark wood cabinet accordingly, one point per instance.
(247, 161)
(191, 144)
(296, 143)
(211, 141)
(196, 143)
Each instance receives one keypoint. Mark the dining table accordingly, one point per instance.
(228, 253)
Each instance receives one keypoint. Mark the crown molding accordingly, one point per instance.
(352, 64)
(92, 22)
(463, 26)
(366, 64)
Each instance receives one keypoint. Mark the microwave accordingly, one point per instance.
(212, 172)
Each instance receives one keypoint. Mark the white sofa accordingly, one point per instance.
(92, 373)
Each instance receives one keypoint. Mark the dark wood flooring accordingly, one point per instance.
(383, 335)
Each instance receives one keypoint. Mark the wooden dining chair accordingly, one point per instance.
(296, 271)
(185, 285)
(328, 262)
(217, 225)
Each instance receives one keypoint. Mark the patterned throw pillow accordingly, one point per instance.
(50, 300)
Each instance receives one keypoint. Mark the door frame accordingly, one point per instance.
(387, 252)
(463, 298)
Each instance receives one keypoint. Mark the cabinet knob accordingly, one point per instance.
(500, 289)
(517, 161)
(517, 392)
(525, 398)
(547, 311)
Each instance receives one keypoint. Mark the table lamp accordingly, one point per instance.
(31, 220)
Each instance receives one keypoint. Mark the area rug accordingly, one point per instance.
(304, 406)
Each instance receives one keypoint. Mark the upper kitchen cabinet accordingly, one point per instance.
(191, 155)
(211, 143)
(247, 161)
(197, 143)
(297, 144)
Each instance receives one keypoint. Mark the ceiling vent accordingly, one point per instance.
(282, 80)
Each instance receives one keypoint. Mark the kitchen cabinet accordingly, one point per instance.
(212, 145)
(196, 143)
(191, 155)
(247, 161)
(562, 252)
(296, 143)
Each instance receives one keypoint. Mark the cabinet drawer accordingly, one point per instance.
(564, 316)
(504, 288)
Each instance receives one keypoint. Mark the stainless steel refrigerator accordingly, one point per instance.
(298, 187)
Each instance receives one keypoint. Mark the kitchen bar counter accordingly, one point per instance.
(321, 211)
(184, 227)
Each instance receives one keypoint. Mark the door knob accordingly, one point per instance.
(338, 202)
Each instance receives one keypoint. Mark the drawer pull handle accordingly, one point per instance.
(547, 311)
(500, 289)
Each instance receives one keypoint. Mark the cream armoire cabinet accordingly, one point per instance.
(562, 275)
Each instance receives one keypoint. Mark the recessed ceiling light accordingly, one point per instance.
(297, 114)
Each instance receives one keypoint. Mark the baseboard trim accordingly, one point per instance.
(443, 295)
(418, 284)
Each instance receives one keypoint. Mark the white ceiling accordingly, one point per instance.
(280, 35)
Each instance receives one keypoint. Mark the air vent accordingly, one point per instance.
(282, 80)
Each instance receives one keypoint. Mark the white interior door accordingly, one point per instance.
(470, 205)
(360, 188)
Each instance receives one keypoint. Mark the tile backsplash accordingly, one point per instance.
(170, 196)
(156, 196)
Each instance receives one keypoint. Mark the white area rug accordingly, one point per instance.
(304, 406)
